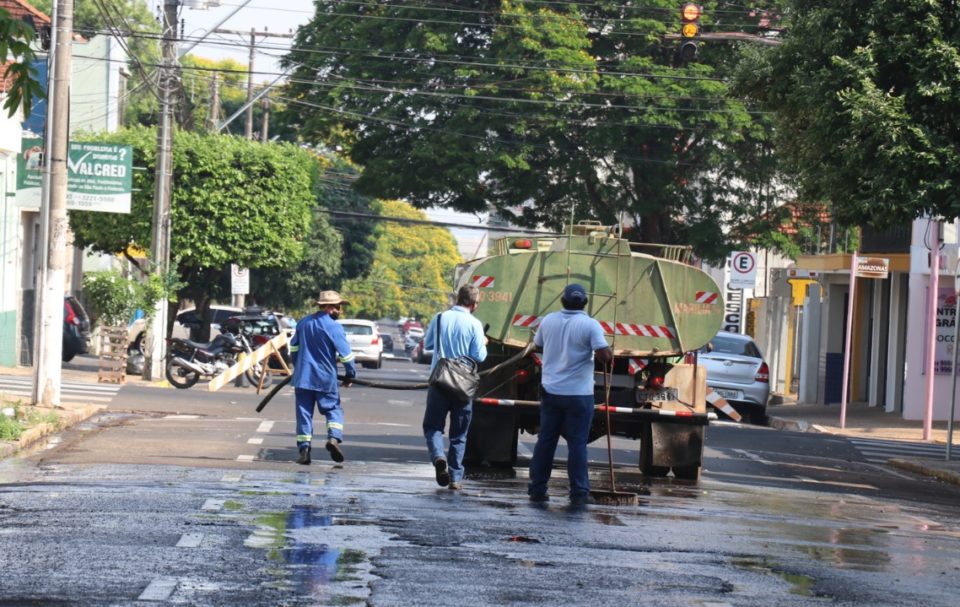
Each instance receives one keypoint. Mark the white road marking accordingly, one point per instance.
(212, 504)
(159, 590)
(190, 540)
(752, 456)
(400, 403)
(254, 441)
(265, 427)
(181, 417)
(248, 419)
(231, 478)
(246, 458)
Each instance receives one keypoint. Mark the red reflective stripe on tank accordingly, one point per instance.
(707, 297)
(483, 282)
(637, 330)
(525, 320)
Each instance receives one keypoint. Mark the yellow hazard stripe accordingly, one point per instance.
(334, 426)
(294, 348)
(304, 438)
(347, 358)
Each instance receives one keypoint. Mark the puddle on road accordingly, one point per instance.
(310, 567)
(799, 584)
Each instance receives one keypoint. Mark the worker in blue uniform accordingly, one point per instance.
(317, 346)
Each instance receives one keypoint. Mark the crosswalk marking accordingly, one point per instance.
(22, 387)
(878, 451)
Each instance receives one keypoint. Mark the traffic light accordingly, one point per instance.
(689, 30)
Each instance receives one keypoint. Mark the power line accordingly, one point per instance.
(446, 224)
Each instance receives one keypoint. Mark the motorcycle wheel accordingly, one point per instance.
(180, 377)
(253, 375)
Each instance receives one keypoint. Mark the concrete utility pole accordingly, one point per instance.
(160, 240)
(248, 128)
(214, 116)
(48, 342)
(265, 126)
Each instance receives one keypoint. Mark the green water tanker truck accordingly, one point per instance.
(655, 310)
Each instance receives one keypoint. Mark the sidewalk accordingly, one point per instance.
(872, 422)
(82, 369)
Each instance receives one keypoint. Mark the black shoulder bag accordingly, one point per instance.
(457, 377)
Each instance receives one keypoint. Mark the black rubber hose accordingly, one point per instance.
(390, 385)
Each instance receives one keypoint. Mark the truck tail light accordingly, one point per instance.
(522, 376)
(655, 382)
(763, 374)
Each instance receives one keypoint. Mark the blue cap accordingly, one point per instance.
(574, 294)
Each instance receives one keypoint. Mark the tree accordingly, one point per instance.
(139, 29)
(412, 269)
(865, 96)
(16, 38)
(234, 201)
(542, 111)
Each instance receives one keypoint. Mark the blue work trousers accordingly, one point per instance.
(327, 403)
(439, 405)
(571, 417)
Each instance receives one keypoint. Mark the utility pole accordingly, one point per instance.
(248, 128)
(265, 126)
(48, 341)
(214, 116)
(160, 241)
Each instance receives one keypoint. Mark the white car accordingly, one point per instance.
(365, 342)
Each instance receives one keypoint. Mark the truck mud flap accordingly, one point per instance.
(492, 439)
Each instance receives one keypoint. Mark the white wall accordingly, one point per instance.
(915, 390)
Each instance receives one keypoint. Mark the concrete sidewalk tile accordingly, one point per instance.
(948, 472)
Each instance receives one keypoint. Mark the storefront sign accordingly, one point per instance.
(946, 328)
(99, 176)
(872, 267)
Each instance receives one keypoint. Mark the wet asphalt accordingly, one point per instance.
(169, 502)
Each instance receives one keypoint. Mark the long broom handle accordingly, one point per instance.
(606, 400)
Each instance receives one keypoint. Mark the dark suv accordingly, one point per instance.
(76, 328)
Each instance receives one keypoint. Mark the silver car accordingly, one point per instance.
(737, 372)
(364, 339)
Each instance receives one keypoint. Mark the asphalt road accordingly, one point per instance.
(190, 497)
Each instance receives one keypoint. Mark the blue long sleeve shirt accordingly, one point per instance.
(317, 346)
(461, 334)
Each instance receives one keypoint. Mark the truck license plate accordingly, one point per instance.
(646, 396)
(731, 394)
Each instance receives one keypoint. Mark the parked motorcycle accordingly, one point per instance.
(189, 361)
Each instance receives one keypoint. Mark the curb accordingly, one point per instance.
(68, 418)
(791, 425)
(947, 476)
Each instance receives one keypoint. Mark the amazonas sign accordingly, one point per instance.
(99, 176)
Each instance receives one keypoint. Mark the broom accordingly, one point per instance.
(611, 497)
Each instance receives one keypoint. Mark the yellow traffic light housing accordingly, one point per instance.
(690, 20)
(689, 30)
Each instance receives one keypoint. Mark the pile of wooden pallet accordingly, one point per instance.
(113, 355)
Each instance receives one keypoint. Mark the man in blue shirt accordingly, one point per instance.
(459, 334)
(570, 339)
(317, 346)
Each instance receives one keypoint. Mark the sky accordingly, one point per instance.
(283, 16)
(276, 16)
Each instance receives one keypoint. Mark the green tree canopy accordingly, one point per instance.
(233, 201)
(16, 55)
(865, 96)
(412, 269)
(132, 19)
(536, 110)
